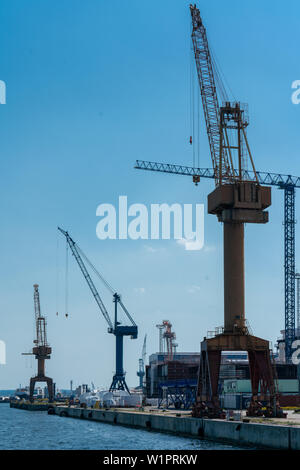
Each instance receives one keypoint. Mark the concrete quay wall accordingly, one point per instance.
(239, 433)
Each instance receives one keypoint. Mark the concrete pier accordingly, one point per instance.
(234, 432)
(30, 406)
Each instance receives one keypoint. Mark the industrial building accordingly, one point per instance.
(174, 382)
(160, 371)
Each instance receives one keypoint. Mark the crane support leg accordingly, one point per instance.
(119, 355)
(41, 354)
(118, 381)
(49, 383)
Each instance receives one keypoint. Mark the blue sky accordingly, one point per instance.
(91, 87)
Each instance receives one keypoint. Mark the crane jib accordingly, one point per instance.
(220, 159)
(128, 331)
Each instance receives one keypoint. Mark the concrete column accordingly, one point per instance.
(234, 278)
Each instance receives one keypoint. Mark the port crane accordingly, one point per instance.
(141, 372)
(161, 328)
(115, 328)
(297, 277)
(236, 200)
(41, 349)
(287, 183)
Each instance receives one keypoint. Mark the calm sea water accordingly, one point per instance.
(21, 429)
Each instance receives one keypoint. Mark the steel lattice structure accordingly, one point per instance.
(115, 328)
(209, 96)
(289, 268)
(271, 179)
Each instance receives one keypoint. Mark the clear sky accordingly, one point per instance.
(91, 87)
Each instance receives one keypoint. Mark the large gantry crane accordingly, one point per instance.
(115, 328)
(41, 350)
(236, 200)
(169, 337)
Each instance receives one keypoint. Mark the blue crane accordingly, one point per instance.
(115, 328)
(286, 182)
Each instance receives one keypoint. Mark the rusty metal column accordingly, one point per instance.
(41, 367)
(234, 278)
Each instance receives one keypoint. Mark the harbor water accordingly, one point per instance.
(36, 430)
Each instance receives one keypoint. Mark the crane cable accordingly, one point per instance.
(221, 80)
(67, 282)
(105, 282)
(99, 275)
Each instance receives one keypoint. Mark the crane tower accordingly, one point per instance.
(236, 200)
(41, 350)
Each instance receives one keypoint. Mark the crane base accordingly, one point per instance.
(43, 378)
(119, 383)
(261, 373)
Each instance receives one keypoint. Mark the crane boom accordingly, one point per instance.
(236, 200)
(271, 179)
(224, 124)
(88, 279)
(40, 321)
(37, 311)
(219, 156)
(126, 312)
(141, 372)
